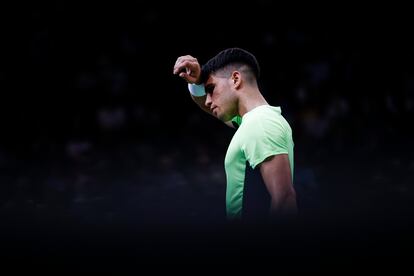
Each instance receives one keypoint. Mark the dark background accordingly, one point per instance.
(100, 140)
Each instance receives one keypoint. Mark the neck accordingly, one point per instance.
(249, 99)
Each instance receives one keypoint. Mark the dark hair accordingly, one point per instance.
(227, 57)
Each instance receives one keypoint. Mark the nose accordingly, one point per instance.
(208, 100)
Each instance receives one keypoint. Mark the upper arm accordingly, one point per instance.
(277, 175)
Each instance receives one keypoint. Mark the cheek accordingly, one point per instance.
(226, 98)
(216, 96)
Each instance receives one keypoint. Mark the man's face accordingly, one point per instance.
(221, 97)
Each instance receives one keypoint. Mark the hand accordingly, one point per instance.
(188, 68)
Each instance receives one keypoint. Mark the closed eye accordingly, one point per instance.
(209, 88)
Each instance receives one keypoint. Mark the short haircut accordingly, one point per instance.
(230, 57)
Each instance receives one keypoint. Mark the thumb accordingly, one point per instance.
(185, 76)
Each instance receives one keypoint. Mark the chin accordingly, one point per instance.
(223, 118)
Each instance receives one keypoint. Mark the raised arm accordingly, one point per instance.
(188, 68)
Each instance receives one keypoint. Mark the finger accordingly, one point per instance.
(178, 66)
(185, 76)
(183, 65)
(179, 69)
(185, 58)
(178, 60)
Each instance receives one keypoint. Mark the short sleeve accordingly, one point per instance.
(264, 139)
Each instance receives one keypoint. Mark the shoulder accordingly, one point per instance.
(265, 119)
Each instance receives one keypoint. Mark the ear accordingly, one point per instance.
(236, 79)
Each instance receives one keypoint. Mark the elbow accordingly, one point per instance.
(285, 203)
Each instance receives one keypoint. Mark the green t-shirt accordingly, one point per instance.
(262, 132)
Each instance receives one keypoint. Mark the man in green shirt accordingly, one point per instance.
(259, 160)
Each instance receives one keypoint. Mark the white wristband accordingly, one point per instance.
(196, 90)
